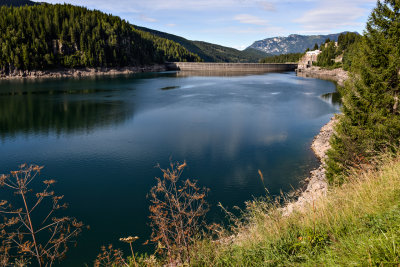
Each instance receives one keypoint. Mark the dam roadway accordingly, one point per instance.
(231, 67)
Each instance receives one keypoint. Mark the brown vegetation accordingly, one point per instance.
(177, 212)
(29, 230)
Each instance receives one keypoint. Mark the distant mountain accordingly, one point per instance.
(292, 44)
(212, 52)
(16, 3)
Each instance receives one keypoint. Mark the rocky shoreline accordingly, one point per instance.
(317, 184)
(84, 72)
(337, 75)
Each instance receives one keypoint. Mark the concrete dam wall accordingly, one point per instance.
(231, 67)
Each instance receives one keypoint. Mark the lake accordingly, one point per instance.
(101, 139)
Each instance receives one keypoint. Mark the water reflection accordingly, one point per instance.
(222, 73)
(66, 107)
(26, 114)
(334, 98)
(100, 138)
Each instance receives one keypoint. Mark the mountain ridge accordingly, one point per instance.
(293, 43)
(210, 52)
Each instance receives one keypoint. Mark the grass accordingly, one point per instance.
(357, 224)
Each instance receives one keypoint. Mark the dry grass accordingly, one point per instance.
(355, 224)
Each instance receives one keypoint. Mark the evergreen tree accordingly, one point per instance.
(315, 46)
(48, 36)
(284, 58)
(327, 57)
(371, 114)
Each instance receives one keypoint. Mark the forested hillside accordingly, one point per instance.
(283, 58)
(47, 36)
(347, 46)
(212, 52)
(220, 53)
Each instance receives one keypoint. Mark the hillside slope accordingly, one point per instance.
(212, 52)
(292, 44)
(49, 36)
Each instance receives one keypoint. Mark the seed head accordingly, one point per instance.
(129, 239)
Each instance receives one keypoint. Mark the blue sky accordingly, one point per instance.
(238, 23)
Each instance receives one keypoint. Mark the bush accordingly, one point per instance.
(177, 211)
(25, 234)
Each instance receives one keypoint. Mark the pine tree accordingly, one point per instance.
(47, 36)
(371, 114)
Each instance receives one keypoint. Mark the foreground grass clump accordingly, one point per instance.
(356, 224)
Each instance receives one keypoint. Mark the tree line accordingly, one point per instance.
(346, 47)
(284, 58)
(47, 36)
(370, 124)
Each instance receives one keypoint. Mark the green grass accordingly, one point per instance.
(357, 224)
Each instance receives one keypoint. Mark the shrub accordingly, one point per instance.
(177, 213)
(25, 234)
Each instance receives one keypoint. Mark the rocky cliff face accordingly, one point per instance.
(292, 44)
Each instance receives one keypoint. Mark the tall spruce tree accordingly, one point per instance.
(370, 122)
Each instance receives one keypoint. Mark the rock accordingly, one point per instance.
(85, 72)
(337, 75)
(317, 183)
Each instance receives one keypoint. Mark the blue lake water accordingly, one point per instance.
(100, 138)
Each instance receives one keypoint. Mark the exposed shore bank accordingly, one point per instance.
(317, 184)
(84, 72)
(337, 75)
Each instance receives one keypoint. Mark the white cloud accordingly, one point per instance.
(243, 31)
(331, 15)
(250, 19)
(268, 6)
(171, 25)
(197, 4)
(147, 19)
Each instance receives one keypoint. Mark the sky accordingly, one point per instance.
(238, 23)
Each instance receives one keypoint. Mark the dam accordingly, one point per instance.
(231, 67)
